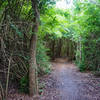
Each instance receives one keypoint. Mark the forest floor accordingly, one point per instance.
(66, 82)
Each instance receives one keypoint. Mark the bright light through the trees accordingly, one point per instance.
(63, 4)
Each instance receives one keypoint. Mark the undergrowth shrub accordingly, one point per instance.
(89, 31)
(42, 59)
(92, 52)
(90, 55)
(24, 84)
(81, 65)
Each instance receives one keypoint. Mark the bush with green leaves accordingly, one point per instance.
(42, 59)
(24, 84)
(86, 25)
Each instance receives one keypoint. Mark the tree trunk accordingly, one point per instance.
(53, 49)
(59, 48)
(33, 83)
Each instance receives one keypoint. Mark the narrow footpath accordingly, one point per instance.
(66, 82)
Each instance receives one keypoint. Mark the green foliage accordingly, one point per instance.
(42, 59)
(24, 84)
(86, 25)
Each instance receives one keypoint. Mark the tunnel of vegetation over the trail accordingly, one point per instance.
(32, 32)
(61, 48)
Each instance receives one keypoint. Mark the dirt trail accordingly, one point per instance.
(67, 83)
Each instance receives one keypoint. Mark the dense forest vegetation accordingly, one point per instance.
(34, 32)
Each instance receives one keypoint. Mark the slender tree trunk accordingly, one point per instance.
(33, 83)
(80, 49)
(59, 48)
(53, 49)
(67, 48)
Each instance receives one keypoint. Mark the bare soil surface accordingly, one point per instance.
(66, 83)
